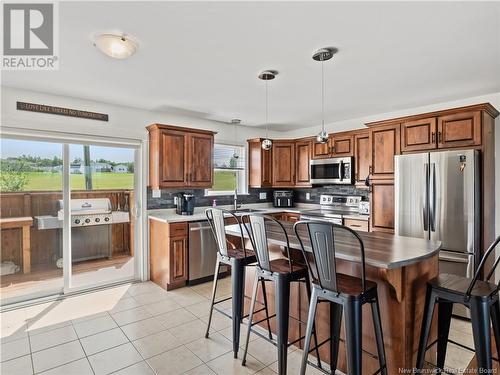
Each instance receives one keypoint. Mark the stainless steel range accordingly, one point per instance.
(91, 234)
(333, 208)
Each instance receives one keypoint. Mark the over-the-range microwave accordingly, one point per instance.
(332, 171)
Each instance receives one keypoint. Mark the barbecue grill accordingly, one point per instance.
(91, 233)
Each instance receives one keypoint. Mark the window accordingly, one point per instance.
(229, 170)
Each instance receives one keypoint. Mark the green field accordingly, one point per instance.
(53, 181)
(224, 181)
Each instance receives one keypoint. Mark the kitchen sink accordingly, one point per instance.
(243, 210)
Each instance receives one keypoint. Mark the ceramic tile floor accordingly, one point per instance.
(142, 329)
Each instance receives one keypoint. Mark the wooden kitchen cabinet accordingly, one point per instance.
(259, 164)
(459, 129)
(201, 148)
(342, 144)
(168, 246)
(419, 135)
(302, 163)
(320, 150)
(291, 217)
(283, 156)
(180, 157)
(357, 225)
(384, 145)
(382, 206)
(362, 158)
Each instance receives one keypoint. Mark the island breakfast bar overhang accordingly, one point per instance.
(401, 267)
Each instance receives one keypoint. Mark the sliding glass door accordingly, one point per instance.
(103, 214)
(69, 216)
(31, 186)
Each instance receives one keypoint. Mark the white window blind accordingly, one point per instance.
(229, 157)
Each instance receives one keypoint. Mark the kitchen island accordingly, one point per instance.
(400, 266)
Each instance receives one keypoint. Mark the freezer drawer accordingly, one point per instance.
(458, 264)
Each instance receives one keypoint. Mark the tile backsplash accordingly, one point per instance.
(166, 199)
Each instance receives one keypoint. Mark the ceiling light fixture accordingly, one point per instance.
(266, 76)
(115, 46)
(323, 54)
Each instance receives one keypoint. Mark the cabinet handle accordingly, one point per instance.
(440, 137)
(369, 169)
(355, 225)
(433, 137)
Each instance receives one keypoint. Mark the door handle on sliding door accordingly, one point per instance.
(432, 205)
(425, 206)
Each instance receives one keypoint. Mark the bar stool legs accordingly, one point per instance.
(353, 329)
(495, 321)
(444, 320)
(212, 301)
(480, 317)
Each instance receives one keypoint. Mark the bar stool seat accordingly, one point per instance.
(352, 286)
(248, 255)
(282, 266)
(458, 284)
(480, 297)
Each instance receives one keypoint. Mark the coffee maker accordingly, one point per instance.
(185, 204)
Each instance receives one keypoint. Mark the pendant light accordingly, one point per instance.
(235, 122)
(322, 55)
(266, 76)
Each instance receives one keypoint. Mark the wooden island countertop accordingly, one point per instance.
(401, 267)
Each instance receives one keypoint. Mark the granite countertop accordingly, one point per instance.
(382, 250)
(169, 215)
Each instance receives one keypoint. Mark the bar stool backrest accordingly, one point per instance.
(322, 238)
(256, 226)
(491, 273)
(216, 218)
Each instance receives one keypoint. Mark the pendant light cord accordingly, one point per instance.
(267, 110)
(322, 94)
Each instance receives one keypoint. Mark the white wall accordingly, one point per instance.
(124, 122)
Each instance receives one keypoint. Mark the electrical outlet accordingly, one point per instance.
(262, 195)
(175, 200)
(308, 196)
(156, 193)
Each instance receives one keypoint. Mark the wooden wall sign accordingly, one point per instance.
(32, 107)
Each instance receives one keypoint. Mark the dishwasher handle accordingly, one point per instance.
(200, 228)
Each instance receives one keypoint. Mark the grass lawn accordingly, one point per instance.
(53, 181)
(224, 180)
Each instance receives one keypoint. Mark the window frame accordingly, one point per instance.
(242, 175)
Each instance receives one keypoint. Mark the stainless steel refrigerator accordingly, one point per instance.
(438, 197)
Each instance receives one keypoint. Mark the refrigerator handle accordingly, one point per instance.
(432, 206)
(425, 207)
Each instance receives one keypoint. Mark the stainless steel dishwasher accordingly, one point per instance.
(202, 252)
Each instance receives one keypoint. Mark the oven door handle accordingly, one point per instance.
(341, 168)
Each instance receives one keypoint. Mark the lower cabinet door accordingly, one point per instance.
(382, 206)
(178, 259)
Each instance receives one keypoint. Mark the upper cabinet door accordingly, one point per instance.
(173, 163)
(201, 169)
(419, 135)
(361, 157)
(259, 165)
(342, 145)
(321, 150)
(303, 157)
(459, 130)
(385, 144)
(283, 156)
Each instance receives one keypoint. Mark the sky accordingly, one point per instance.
(14, 147)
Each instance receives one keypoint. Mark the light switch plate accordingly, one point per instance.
(156, 193)
(262, 195)
(308, 196)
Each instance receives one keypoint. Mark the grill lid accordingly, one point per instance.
(88, 206)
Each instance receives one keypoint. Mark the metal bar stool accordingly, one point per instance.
(344, 293)
(280, 271)
(481, 297)
(237, 259)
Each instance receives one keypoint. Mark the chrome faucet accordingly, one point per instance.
(236, 205)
